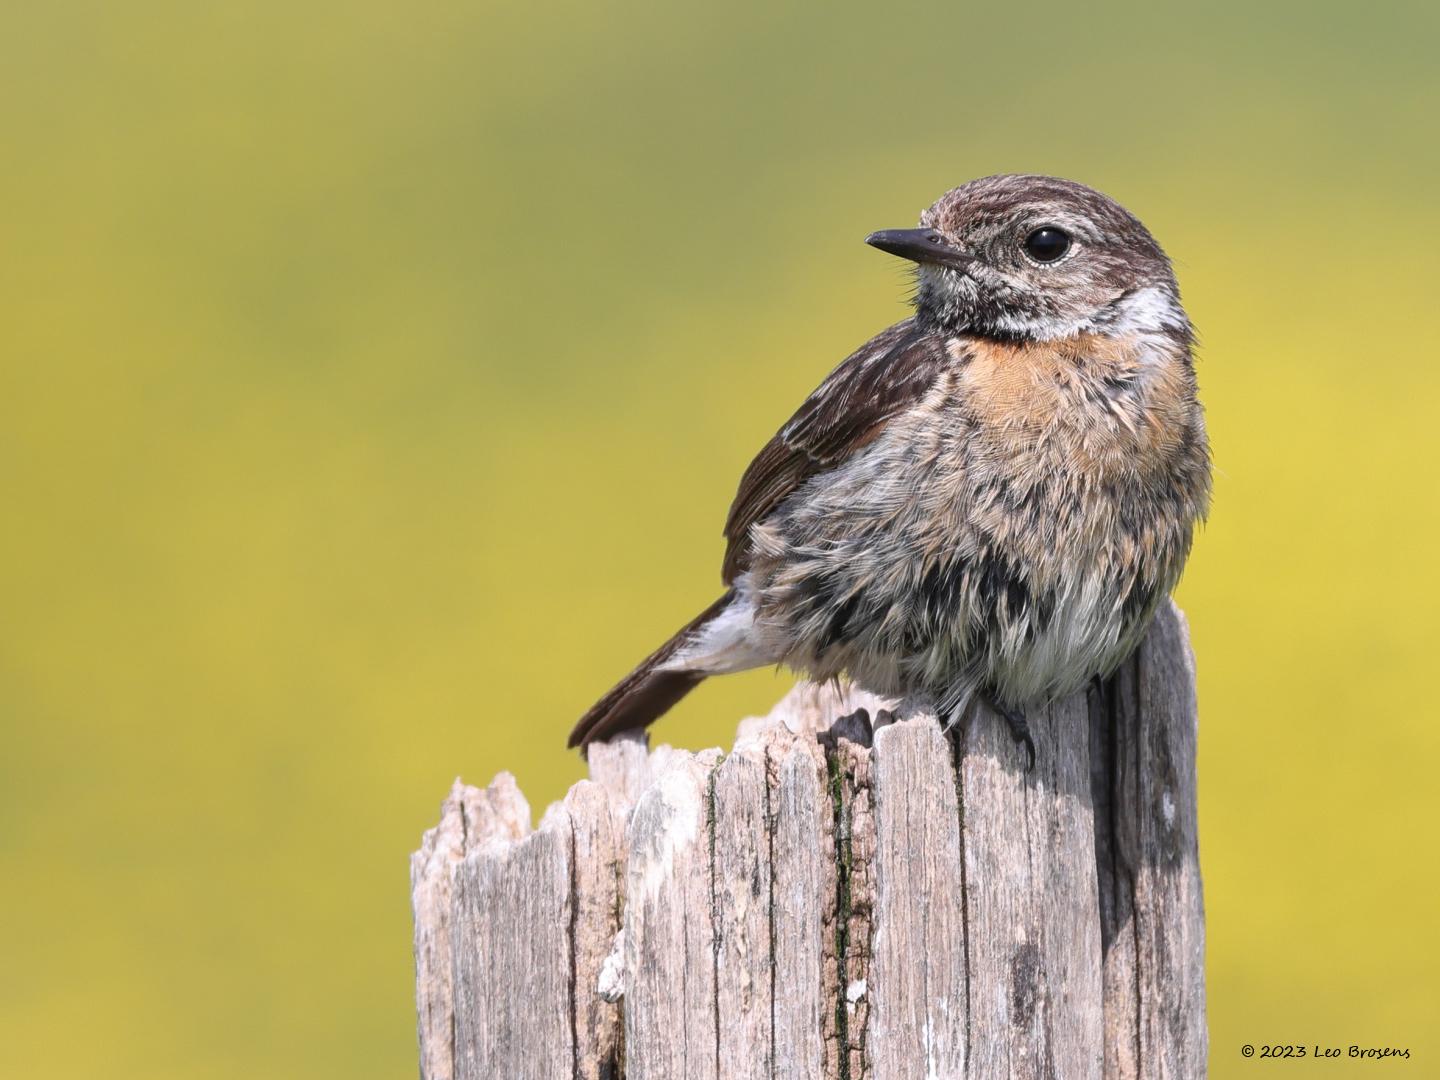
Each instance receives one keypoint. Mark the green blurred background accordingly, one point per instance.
(375, 379)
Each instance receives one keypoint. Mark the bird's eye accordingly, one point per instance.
(1047, 244)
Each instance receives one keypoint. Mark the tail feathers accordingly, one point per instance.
(644, 695)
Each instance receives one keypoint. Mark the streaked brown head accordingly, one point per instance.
(1022, 257)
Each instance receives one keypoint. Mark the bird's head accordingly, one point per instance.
(1037, 258)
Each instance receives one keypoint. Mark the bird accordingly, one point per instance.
(985, 502)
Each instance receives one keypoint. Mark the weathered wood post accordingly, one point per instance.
(906, 908)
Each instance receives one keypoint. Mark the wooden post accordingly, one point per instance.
(821, 903)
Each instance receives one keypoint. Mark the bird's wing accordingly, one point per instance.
(884, 377)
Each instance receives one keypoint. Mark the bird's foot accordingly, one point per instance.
(1098, 690)
(856, 727)
(1019, 728)
(1105, 692)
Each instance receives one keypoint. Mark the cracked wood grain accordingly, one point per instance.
(470, 818)
(1032, 911)
(832, 901)
(597, 827)
(802, 911)
(918, 1007)
(670, 1002)
(742, 907)
(510, 945)
(1152, 905)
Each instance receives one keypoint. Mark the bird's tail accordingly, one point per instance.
(644, 695)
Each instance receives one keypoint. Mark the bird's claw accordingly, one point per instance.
(1019, 730)
(856, 727)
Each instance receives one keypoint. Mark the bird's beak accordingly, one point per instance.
(921, 246)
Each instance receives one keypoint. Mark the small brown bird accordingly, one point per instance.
(987, 500)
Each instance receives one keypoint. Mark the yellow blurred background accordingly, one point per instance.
(376, 377)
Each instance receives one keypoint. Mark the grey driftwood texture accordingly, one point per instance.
(821, 902)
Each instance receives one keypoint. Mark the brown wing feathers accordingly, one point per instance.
(886, 376)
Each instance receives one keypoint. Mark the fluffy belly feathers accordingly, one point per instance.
(958, 553)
